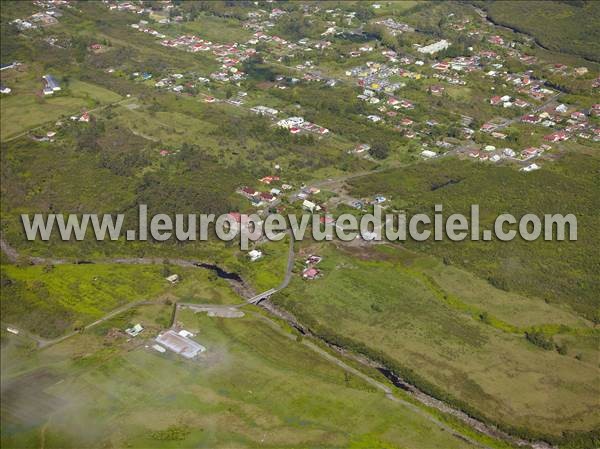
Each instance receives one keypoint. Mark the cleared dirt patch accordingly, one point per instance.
(218, 311)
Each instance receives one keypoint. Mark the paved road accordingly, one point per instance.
(287, 278)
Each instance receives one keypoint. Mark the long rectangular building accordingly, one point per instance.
(179, 344)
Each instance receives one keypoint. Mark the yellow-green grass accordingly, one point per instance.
(269, 271)
(510, 307)
(557, 271)
(26, 107)
(384, 303)
(254, 386)
(214, 28)
(50, 301)
(170, 128)
(393, 8)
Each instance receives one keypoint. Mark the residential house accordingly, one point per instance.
(361, 148)
(558, 136)
(249, 192)
(264, 110)
(310, 273)
(173, 279)
(531, 167)
(291, 122)
(530, 152)
(436, 90)
(488, 127)
(255, 255)
(51, 85)
(313, 259)
(435, 47)
(269, 179)
(495, 100)
(521, 103)
(562, 108)
(309, 205)
(530, 118)
(135, 330)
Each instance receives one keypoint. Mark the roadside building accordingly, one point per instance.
(179, 344)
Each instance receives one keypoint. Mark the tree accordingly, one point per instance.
(539, 339)
(379, 150)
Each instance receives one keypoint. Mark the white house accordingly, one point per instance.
(309, 205)
(509, 152)
(531, 167)
(264, 110)
(291, 122)
(173, 279)
(255, 255)
(135, 330)
(561, 108)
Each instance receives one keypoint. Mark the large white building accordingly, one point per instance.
(290, 122)
(434, 48)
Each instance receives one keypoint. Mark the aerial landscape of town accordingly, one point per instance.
(193, 336)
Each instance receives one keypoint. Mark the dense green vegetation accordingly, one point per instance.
(444, 331)
(513, 340)
(562, 272)
(564, 26)
(50, 300)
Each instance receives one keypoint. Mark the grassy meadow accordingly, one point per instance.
(255, 386)
(505, 331)
(455, 336)
(572, 29)
(558, 272)
(27, 107)
(51, 300)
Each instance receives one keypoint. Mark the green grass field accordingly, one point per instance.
(213, 28)
(51, 300)
(451, 318)
(561, 272)
(255, 386)
(26, 107)
(455, 335)
(573, 27)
